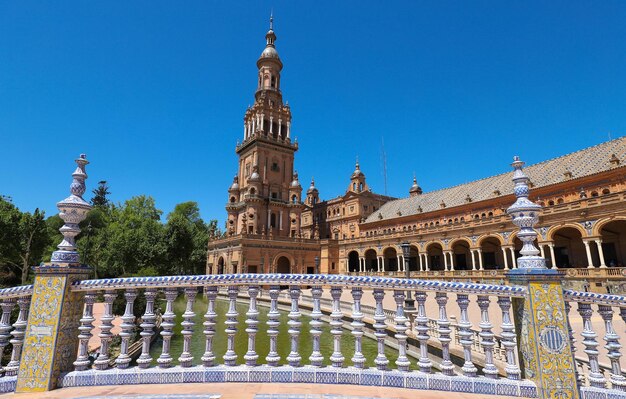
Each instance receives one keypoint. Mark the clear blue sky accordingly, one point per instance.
(154, 92)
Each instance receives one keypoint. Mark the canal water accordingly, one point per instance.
(262, 339)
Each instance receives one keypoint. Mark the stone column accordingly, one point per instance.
(473, 259)
(51, 341)
(362, 264)
(513, 258)
(445, 260)
(426, 261)
(542, 329)
(451, 253)
(600, 252)
(400, 265)
(552, 257)
(419, 262)
(480, 258)
(588, 251)
(505, 257)
(288, 130)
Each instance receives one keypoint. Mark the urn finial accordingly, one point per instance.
(72, 210)
(525, 214)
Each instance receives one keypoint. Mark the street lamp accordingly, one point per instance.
(317, 265)
(409, 303)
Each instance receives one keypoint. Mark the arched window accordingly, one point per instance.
(354, 186)
(232, 199)
(360, 186)
(606, 191)
(490, 214)
(273, 220)
(252, 191)
(294, 199)
(274, 81)
(550, 203)
(560, 201)
(594, 193)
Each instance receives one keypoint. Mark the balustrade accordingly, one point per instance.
(12, 333)
(451, 333)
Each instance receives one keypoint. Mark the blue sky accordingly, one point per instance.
(154, 92)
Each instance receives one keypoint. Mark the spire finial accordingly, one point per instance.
(272, 19)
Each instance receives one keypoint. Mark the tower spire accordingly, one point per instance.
(272, 19)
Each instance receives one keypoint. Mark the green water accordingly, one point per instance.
(369, 345)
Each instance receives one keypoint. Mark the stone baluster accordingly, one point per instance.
(596, 378)
(86, 325)
(186, 357)
(294, 326)
(230, 357)
(612, 347)
(105, 335)
(466, 336)
(580, 375)
(127, 326)
(7, 306)
(443, 329)
(512, 369)
(147, 325)
(208, 358)
(316, 357)
(486, 337)
(336, 327)
(167, 324)
(358, 360)
(400, 319)
(421, 326)
(381, 333)
(273, 322)
(252, 326)
(19, 331)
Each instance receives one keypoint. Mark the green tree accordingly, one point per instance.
(100, 194)
(23, 238)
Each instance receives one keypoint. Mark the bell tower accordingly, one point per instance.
(261, 199)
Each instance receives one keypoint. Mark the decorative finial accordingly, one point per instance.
(525, 214)
(72, 210)
(272, 19)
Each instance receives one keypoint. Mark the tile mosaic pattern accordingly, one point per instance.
(297, 279)
(305, 374)
(14, 292)
(599, 393)
(581, 163)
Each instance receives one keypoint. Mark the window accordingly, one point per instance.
(275, 167)
(273, 220)
(606, 191)
(274, 195)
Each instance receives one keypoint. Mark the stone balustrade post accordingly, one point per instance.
(618, 381)
(316, 357)
(358, 360)
(86, 325)
(512, 369)
(466, 335)
(294, 323)
(167, 324)
(148, 323)
(381, 360)
(106, 325)
(542, 330)
(18, 333)
(230, 357)
(443, 330)
(400, 319)
(208, 358)
(252, 322)
(128, 327)
(421, 325)
(273, 323)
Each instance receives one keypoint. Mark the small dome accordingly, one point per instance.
(357, 172)
(255, 174)
(295, 183)
(312, 189)
(269, 52)
(415, 188)
(235, 185)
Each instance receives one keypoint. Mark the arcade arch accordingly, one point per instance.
(353, 262)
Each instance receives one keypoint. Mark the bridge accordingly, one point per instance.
(531, 339)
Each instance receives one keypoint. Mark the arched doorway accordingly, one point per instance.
(614, 243)
(434, 252)
(413, 261)
(371, 261)
(220, 265)
(569, 250)
(461, 255)
(353, 261)
(492, 253)
(391, 259)
(283, 266)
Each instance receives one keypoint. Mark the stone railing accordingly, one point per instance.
(590, 370)
(12, 300)
(294, 367)
(487, 338)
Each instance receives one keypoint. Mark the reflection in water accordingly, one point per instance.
(262, 339)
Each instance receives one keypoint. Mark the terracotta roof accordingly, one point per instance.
(581, 163)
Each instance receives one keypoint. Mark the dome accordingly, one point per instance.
(312, 189)
(295, 183)
(235, 185)
(415, 188)
(269, 52)
(357, 172)
(255, 174)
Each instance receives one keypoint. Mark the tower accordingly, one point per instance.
(357, 181)
(266, 194)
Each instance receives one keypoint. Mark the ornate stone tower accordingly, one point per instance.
(265, 196)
